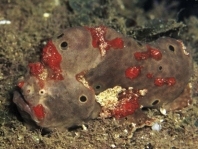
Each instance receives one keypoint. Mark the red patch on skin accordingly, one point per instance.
(36, 68)
(80, 76)
(128, 104)
(20, 84)
(41, 83)
(149, 75)
(99, 41)
(170, 81)
(133, 72)
(150, 53)
(155, 53)
(116, 43)
(39, 111)
(141, 55)
(52, 59)
(127, 107)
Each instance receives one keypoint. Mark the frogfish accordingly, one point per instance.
(96, 72)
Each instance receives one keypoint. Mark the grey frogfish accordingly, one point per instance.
(96, 72)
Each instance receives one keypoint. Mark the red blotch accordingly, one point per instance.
(116, 43)
(150, 53)
(155, 53)
(159, 81)
(36, 68)
(149, 75)
(99, 40)
(20, 84)
(126, 107)
(52, 59)
(97, 34)
(141, 55)
(128, 103)
(133, 72)
(39, 111)
(41, 83)
(170, 81)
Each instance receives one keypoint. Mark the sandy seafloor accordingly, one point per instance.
(26, 25)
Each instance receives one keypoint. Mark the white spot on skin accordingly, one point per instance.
(43, 75)
(143, 92)
(103, 44)
(109, 97)
(80, 78)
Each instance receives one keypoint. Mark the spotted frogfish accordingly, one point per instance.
(96, 72)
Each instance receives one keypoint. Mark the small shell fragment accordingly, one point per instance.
(4, 22)
(156, 127)
(163, 111)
